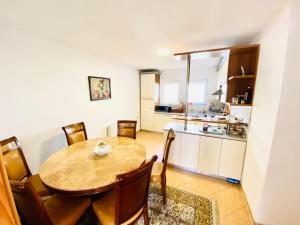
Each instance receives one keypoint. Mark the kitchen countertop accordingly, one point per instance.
(169, 113)
(195, 130)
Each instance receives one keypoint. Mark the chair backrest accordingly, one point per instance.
(127, 128)
(75, 133)
(14, 160)
(170, 138)
(29, 203)
(132, 190)
(8, 210)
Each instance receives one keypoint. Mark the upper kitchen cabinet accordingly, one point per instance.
(242, 71)
(150, 86)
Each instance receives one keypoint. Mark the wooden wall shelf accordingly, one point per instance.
(237, 84)
(241, 77)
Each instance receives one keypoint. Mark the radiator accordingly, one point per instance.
(112, 130)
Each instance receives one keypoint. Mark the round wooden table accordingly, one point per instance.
(76, 170)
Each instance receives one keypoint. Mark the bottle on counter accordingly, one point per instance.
(248, 96)
(205, 127)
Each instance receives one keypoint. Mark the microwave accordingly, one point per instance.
(163, 108)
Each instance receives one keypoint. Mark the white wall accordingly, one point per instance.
(208, 73)
(44, 86)
(273, 40)
(281, 194)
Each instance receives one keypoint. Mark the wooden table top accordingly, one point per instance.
(76, 170)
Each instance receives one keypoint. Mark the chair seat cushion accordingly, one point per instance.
(104, 208)
(38, 185)
(66, 210)
(156, 172)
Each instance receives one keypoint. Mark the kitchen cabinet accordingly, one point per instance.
(189, 151)
(149, 86)
(174, 153)
(144, 86)
(158, 122)
(147, 114)
(232, 158)
(161, 120)
(209, 154)
(206, 154)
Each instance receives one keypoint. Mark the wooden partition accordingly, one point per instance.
(8, 212)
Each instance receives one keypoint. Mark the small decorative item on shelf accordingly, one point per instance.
(241, 99)
(248, 96)
(235, 100)
(102, 148)
(243, 71)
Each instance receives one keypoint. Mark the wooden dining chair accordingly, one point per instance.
(8, 210)
(129, 201)
(17, 167)
(127, 128)
(75, 133)
(57, 210)
(159, 168)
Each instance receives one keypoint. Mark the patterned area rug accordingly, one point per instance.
(182, 208)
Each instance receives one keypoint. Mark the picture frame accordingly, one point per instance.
(100, 88)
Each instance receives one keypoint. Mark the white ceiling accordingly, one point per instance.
(134, 31)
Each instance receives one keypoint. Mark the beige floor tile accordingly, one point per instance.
(240, 217)
(229, 201)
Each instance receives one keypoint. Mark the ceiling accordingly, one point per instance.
(142, 33)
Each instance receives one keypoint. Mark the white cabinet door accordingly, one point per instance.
(209, 154)
(158, 122)
(161, 120)
(148, 86)
(189, 151)
(151, 86)
(232, 159)
(147, 114)
(166, 119)
(174, 153)
(144, 86)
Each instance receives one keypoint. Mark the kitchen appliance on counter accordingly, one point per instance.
(163, 108)
(237, 130)
(212, 129)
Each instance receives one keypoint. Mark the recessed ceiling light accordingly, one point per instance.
(164, 52)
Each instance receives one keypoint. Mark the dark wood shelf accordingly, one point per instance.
(246, 57)
(241, 77)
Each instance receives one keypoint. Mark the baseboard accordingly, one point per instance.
(248, 208)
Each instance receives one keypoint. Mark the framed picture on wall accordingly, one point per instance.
(99, 88)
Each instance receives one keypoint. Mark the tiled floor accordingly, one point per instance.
(231, 204)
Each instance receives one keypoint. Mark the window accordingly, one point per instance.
(197, 92)
(170, 93)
